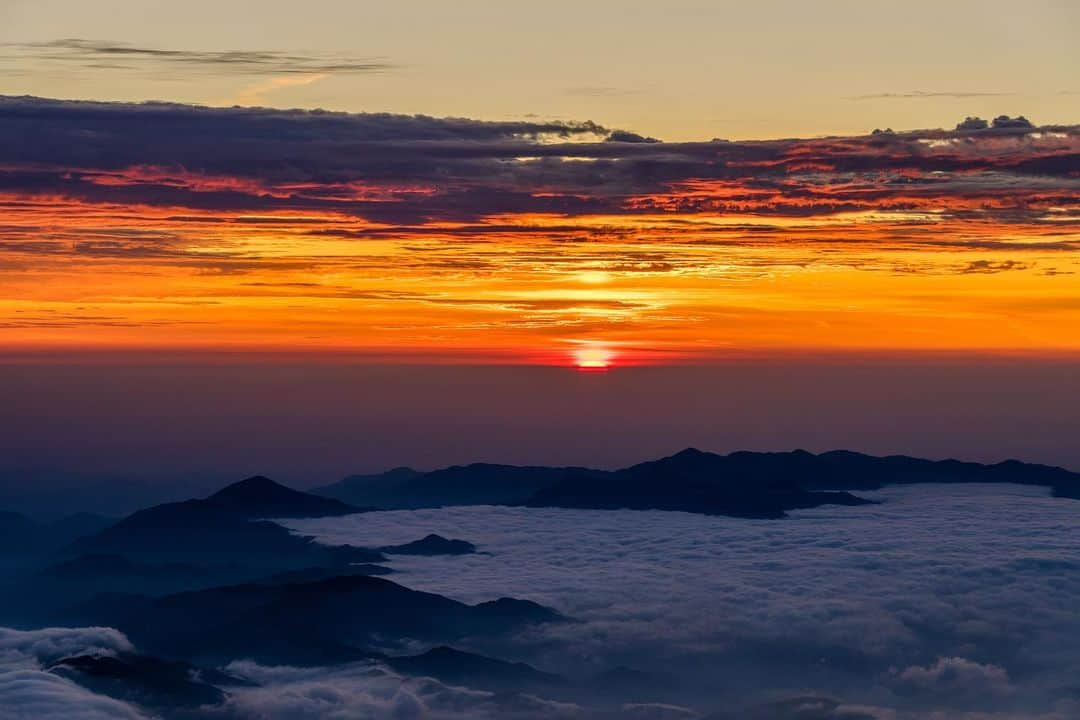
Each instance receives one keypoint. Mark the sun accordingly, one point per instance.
(593, 357)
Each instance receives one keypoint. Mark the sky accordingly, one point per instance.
(688, 188)
(680, 70)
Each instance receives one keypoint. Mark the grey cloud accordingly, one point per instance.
(856, 604)
(956, 677)
(928, 94)
(257, 160)
(122, 56)
(29, 692)
(1004, 121)
(371, 691)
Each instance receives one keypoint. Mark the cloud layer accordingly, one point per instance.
(28, 692)
(940, 599)
(164, 224)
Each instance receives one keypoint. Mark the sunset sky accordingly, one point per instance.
(175, 227)
(601, 186)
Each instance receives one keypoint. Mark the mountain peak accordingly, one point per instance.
(261, 496)
(690, 453)
(254, 486)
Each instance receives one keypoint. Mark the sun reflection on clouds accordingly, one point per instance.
(413, 235)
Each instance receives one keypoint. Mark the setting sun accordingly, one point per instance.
(593, 357)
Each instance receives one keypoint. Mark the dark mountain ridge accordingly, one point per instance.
(748, 484)
(475, 484)
(228, 526)
(329, 620)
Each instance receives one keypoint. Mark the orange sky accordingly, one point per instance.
(821, 259)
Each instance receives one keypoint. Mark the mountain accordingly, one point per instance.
(1068, 491)
(745, 484)
(19, 533)
(475, 484)
(457, 667)
(329, 620)
(146, 681)
(261, 497)
(218, 540)
(692, 481)
(431, 545)
(368, 489)
(98, 566)
(226, 527)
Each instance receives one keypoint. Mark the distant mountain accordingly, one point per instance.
(371, 489)
(22, 534)
(476, 484)
(692, 481)
(261, 497)
(146, 681)
(1068, 491)
(225, 536)
(96, 567)
(330, 620)
(431, 545)
(17, 531)
(457, 667)
(746, 484)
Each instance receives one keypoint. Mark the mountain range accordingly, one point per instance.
(743, 484)
(198, 583)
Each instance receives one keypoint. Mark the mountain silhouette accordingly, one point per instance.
(475, 484)
(328, 620)
(693, 481)
(261, 497)
(225, 533)
(150, 682)
(457, 667)
(22, 534)
(744, 484)
(431, 545)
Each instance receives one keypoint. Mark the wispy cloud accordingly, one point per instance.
(121, 56)
(929, 94)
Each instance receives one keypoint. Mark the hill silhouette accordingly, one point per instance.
(743, 484)
(328, 620)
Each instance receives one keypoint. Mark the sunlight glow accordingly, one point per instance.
(593, 357)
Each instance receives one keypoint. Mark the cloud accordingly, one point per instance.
(121, 56)
(896, 606)
(956, 677)
(386, 202)
(1004, 121)
(929, 94)
(367, 690)
(28, 692)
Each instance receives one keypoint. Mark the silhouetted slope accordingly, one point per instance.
(1068, 491)
(146, 681)
(261, 497)
(476, 671)
(22, 534)
(431, 545)
(844, 469)
(749, 484)
(693, 481)
(370, 489)
(18, 532)
(476, 484)
(329, 620)
(98, 566)
(223, 528)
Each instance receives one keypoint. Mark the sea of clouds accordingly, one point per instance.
(955, 599)
(940, 603)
